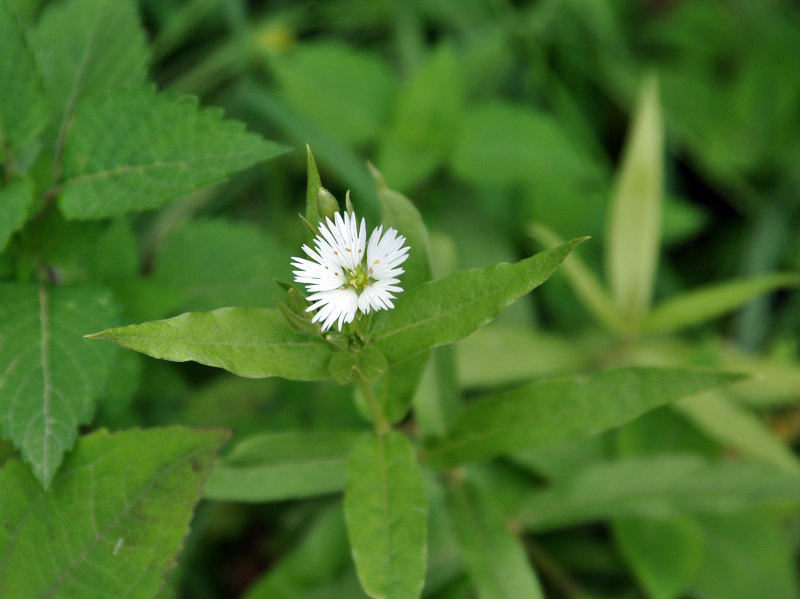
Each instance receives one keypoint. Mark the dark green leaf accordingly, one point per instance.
(14, 200)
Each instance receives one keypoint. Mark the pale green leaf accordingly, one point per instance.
(50, 374)
(278, 466)
(22, 109)
(712, 301)
(634, 226)
(14, 200)
(387, 517)
(446, 310)
(664, 553)
(245, 341)
(113, 520)
(660, 486)
(495, 559)
(86, 46)
(216, 263)
(553, 411)
(134, 150)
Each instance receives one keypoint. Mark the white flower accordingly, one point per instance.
(346, 274)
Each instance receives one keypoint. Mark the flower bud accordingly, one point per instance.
(327, 205)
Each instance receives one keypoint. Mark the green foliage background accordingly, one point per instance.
(153, 162)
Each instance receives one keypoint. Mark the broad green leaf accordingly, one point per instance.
(368, 364)
(343, 90)
(14, 200)
(50, 375)
(495, 559)
(747, 555)
(86, 46)
(22, 110)
(735, 426)
(279, 466)
(664, 553)
(215, 263)
(387, 517)
(446, 310)
(425, 121)
(245, 341)
(660, 486)
(553, 411)
(163, 148)
(113, 521)
(634, 226)
(711, 301)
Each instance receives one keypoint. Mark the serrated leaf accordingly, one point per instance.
(86, 46)
(660, 486)
(445, 310)
(22, 110)
(634, 226)
(553, 411)
(50, 374)
(387, 517)
(279, 466)
(14, 201)
(133, 150)
(112, 522)
(245, 341)
(215, 263)
(703, 304)
(496, 561)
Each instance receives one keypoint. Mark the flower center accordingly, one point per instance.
(357, 278)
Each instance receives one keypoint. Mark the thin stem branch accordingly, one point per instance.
(379, 419)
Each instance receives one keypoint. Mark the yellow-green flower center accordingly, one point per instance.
(358, 278)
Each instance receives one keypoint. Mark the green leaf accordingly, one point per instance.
(86, 46)
(113, 521)
(657, 487)
(245, 341)
(664, 553)
(387, 517)
(549, 412)
(14, 200)
(313, 183)
(350, 366)
(50, 374)
(278, 466)
(634, 226)
(22, 111)
(215, 263)
(134, 150)
(711, 301)
(445, 310)
(495, 559)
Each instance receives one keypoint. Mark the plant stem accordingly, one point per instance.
(382, 425)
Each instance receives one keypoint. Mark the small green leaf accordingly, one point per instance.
(549, 412)
(163, 148)
(495, 559)
(22, 111)
(634, 226)
(313, 184)
(245, 341)
(711, 301)
(350, 366)
(443, 311)
(387, 517)
(50, 375)
(279, 466)
(112, 522)
(14, 200)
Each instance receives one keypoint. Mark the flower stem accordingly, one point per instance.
(379, 419)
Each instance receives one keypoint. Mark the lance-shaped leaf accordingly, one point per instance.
(661, 486)
(550, 412)
(281, 466)
(22, 110)
(446, 310)
(50, 374)
(133, 150)
(250, 342)
(113, 521)
(14, 201)
(387, 517)
(495, 559)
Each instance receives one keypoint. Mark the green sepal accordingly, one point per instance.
(296, 321)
